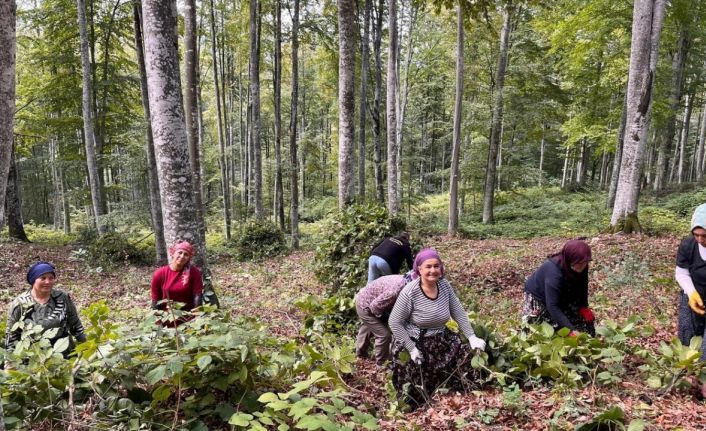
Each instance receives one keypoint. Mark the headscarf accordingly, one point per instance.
(423, 255)
(38, 269)
(698, 219)
(574, 251)
(182, 245)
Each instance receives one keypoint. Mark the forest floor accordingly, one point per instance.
(629, 275)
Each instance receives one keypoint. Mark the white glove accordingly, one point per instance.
(476, 343)
(416, 356)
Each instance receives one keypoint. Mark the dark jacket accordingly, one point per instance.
(688, 257)
(394, 251)
(548, 285)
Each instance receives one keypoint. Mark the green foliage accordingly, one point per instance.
(114, 248)
(611, 419)
(334, 314)
(341, 260)
(630, 271)
(46, 235)
(257, 239)
(674, 365)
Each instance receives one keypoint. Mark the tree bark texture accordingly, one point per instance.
(700, 148)
(377, 107)
(615, 173)
(497, 119)
(346, 101)
(294, 161)
(277, 81)
(256, 167)
(8, 40)
(684, 138)
(152, 179)
(13, 204)
(648, 16)
(458, 114)
(88, 127)
(393, 203)
(364, 66)
(168, 126)
(191, 108)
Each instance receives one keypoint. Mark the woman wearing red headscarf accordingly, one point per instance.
(557, 292)
(179, 281)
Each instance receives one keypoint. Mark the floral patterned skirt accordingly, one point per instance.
(535, 311)
(446, 362)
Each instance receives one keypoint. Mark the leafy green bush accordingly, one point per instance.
(342, 259)
(47, 235)
(113, 248)
(663, 221)
(257, 239)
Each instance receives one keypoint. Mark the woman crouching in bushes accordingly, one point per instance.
(557, 292)
(436, 355)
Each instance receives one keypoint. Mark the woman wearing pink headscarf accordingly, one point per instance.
(179, 281)
(436, 355)
(557, 292)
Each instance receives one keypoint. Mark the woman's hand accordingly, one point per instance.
(476, 343)
(696, 303)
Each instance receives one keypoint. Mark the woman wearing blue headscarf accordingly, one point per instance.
(690, 273)
(44, 306)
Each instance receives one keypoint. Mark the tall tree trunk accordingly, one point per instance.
(393, 203)
(700, 148)
(256, 167)
(364, 66)
(346, 101)
(377, 108)
(684, 139)
(219, 123)
(279, 189)
(152, 180)
(617, 160)
(169, 127)
(403, 97)
(191, 107)
(294, 169)
(648, 16)
(675, 95)
(88, 130)
(13, 204)
(541, 156)
(458, 114)
(497, 120)
(8, 40)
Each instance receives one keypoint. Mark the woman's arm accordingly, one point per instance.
(459, 314)
(552, 295)
(74, 321)
(683, 277)
(399, 315)
(156, 288)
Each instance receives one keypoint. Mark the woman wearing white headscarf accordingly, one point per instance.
(690, 273)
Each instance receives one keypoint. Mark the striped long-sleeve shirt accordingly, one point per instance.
(59, 312)
(414, 311)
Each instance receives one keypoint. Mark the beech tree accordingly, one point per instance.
(393, 196)
(346, 101)
(8, 10)
(648, 16)
(458, 113)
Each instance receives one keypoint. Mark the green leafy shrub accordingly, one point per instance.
(663, 221)
(47, 235)
(341, 260)
(674, 366)
(113, 248)
(258, 239)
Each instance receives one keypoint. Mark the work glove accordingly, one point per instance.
(416, 356)
(476, 343)
(696, 303)
(573, 334)
(586, 314)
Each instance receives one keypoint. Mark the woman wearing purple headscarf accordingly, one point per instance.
(426, 354)
(557, 292)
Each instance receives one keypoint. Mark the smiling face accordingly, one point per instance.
(44, 283)
(179, 259)
(430, 271)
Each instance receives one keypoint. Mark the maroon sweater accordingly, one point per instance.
(179, 286)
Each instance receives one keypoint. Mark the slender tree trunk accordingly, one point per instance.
(191, 107)
(377, 108)
(13, 204)
(219, 122)
(542, 143)
(364, 66)
(403, 97)
(169, 127)
(277, 79)
(346, 101)
(497, 120)
(700, 148)
(256, 167)
(675, 95)
(684, 139)
(8, 40)
(458, 115)
(648, 16)
(294, 169)
(565, 171)
(617, 160)
(88, 130)
(152, 180)
(393, 203)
